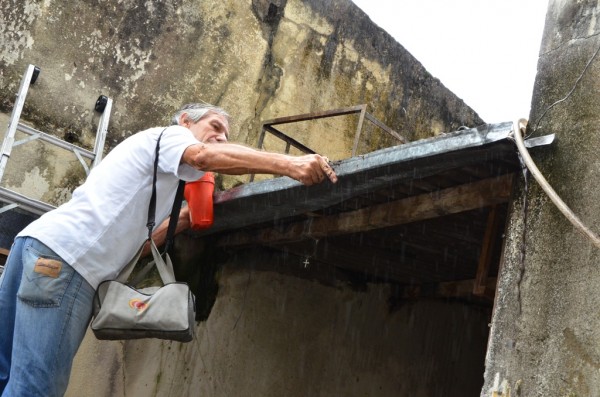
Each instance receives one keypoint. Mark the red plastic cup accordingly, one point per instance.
(199, 195)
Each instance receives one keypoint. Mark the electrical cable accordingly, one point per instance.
(520, 125)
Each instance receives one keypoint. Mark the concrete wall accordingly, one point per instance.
(275, 335)
(544, 336)
(259, 59)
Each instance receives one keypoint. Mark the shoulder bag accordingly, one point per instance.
(122, 311)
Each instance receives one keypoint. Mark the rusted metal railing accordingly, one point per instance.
(269, 127)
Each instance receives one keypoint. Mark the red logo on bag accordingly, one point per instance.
(138, 304)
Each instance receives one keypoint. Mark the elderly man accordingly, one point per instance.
(56, 263)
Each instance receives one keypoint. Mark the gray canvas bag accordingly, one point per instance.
(121, 311)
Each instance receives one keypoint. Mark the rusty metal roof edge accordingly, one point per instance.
(448, 142)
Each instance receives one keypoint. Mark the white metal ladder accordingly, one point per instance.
(14, 199)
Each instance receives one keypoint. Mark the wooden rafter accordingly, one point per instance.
(451, 289)
(374, 262)
(491, 232)
(453, 200)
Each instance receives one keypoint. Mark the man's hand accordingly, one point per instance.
(312, 168)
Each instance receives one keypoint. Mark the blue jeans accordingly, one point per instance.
(45, 308)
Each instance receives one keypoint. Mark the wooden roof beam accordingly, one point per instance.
(453, 200)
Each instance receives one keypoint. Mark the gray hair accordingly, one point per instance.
(197, 111)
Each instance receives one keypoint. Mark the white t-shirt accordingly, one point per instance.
(103, 225)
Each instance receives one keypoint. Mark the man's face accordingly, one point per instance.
(212, 128)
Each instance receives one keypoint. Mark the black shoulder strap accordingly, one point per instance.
(174, 216)
(176, 203)
(152, 207)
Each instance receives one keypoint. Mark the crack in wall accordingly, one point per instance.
(583, 72)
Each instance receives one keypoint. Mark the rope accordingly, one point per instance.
(520, 125)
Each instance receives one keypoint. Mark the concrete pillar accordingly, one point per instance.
(545, 332)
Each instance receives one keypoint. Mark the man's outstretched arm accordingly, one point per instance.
(233, 159)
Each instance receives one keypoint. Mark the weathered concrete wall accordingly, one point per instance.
(259, 59)
(545, 332)
(276, 335)
(270, 335)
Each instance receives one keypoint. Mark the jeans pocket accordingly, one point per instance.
(45, 276)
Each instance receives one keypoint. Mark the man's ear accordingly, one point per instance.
(183, 120)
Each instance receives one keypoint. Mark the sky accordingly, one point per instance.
(484, 51)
